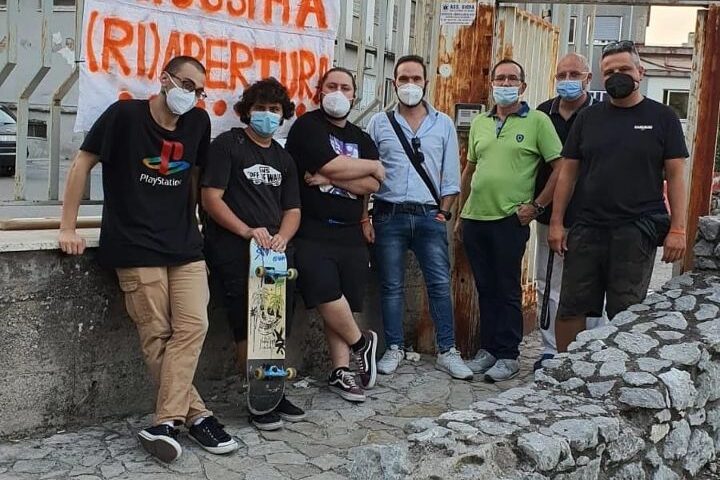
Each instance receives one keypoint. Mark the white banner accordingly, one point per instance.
(126, 43)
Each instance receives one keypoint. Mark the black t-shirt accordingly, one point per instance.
(622, 152)
(330, 214)
(148, 216)
(260, 184)
(562, 127)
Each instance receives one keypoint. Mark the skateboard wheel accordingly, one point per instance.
(291, 373)
(259, 374)
(260, 272)
(292, 274)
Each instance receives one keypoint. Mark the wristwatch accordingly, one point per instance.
(540, 209)
(446, 213)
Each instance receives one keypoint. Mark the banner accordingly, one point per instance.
(126, 43)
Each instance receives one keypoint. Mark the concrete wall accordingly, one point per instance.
(69, 353)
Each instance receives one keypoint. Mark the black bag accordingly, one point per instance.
(655, 225)
(416, 157)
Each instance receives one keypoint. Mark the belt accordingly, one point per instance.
(380, 206)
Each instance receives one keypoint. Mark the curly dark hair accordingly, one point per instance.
(267, 90)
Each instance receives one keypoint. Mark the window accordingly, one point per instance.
(413, 8)
(607, 29)
(571, 32)
(389, 92)
(3, 4)
(357, 7)
(678, 101)
(64, 4)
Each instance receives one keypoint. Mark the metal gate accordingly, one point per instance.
(534, 43)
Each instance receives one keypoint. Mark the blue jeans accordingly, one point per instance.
(395, 234)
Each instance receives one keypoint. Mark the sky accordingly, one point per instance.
(670, 25)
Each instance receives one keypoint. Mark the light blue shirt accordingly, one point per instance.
(439, 144)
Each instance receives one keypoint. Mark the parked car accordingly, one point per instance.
(8, 141)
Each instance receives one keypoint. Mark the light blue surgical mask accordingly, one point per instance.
(505, 96)
(569, 89)
(265, 123)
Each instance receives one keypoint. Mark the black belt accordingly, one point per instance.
(380, 206)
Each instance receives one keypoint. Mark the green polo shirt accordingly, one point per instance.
(506, 157)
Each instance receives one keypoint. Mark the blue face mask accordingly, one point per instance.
(570, 89)
(265, 123)
(505, 96)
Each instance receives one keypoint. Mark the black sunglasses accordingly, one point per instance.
(619, 47)
(416, 146)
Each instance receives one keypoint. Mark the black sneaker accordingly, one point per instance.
(160, 441)
(268, 422)
(342, 382)
(211, 435)
(289, 412)
(365, 360)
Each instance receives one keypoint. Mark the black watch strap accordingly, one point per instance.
(447, 214)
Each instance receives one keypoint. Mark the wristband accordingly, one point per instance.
(365, 220)
(677, 231)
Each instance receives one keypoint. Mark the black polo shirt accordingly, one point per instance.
(562, 127)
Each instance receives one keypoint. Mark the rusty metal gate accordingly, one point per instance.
(465, 55)
(534, 43)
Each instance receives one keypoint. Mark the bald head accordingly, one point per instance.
(574, 61)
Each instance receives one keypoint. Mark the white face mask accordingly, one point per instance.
(410, 94)
(336, 105)
(178, 100)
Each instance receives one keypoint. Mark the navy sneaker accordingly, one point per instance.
(268, 422)
(289, 412)
(211, 435)
(160, 441)
(545, 356)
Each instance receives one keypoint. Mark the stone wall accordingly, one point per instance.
(707, 249)
(637, 399)
(69, 354)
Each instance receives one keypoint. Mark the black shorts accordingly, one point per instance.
(610, 266)
(231, 277)
(327, 272)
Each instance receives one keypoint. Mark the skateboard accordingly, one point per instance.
(266, 371)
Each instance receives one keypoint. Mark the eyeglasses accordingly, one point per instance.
(511, 79)
(619, 47)
(574, 75)
(189, 86)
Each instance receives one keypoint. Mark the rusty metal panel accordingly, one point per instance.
(703, 120)
(463, 60)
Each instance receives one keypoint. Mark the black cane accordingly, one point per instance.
(545, 310)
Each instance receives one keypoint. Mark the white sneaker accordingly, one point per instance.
(390, 360)
(482, 362)
(504, 369)
(452, 363)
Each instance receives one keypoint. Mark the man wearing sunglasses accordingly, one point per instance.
(572, 79)
(506, 147)
(419, 149)
(149, 235)
(619, 151)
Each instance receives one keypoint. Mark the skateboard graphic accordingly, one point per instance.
(266, 372)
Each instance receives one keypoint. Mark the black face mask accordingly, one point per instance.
(620, 85)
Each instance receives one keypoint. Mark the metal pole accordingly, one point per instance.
(56, 109)
(340, 42)
(360, 69)
(23, 112)
(10, 57)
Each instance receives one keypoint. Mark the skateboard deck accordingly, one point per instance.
(266, 371)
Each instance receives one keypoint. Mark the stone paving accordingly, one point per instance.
(319, 448)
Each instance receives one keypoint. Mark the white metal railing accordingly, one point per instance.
(377, 39)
